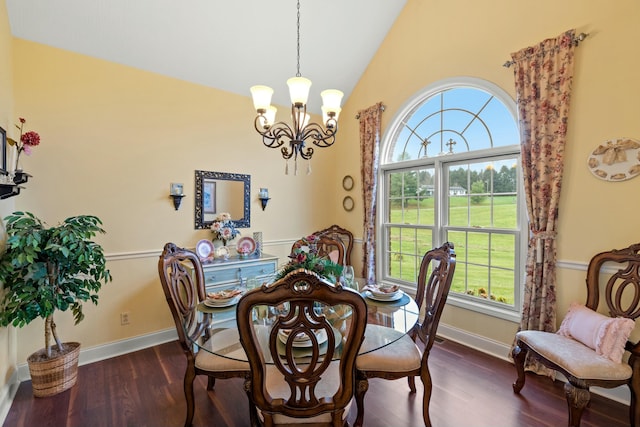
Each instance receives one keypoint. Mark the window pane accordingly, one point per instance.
(453, 121)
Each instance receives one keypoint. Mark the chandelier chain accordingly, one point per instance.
(298, 45)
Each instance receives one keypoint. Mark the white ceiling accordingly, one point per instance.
(229, 45)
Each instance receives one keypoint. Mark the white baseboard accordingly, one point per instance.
(620, 394)
(117, 348)
(7, 393)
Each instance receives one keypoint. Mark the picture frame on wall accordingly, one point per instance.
(209, 197)
(3, 149)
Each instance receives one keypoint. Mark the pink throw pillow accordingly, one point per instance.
(606, 335)
(334, 256)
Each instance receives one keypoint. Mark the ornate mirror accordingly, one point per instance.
(218, 192)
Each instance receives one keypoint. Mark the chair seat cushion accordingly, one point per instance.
(399, 356)
(327, 386)
(574, 357)
(210, 362)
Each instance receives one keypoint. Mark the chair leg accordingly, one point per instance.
(425, 376)
(189, 376)
(211, 383)
(412, 383)
(519, 356)
(253, 411)
(577, 400)
(634, 387)
(362, 385)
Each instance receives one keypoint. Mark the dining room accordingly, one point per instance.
(125, 143)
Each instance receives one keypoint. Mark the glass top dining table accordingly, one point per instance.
(387, 322)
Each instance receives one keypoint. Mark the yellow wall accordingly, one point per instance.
(432, 40)
(8, 340)
(114, 137)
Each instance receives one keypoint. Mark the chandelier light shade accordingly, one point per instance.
(294, 140)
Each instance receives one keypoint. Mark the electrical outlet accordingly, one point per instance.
(124, 318)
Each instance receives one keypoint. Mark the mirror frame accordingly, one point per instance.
(244, 222)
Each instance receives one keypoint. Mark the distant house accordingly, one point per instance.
(427, 190)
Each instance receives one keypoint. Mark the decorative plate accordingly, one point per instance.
(222, 252)
(616, 160)
(246, 245)
(204, 249)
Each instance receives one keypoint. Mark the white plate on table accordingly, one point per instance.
(204, 249)
(304, 340)
(384, 297)
(227, 302)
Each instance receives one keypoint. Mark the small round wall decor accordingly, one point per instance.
(615, 159)
(347, 182)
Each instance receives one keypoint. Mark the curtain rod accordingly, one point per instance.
(382, 108)
(576, 40)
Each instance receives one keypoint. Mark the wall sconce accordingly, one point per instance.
(176, 194)
(264, 197)
(10, 183)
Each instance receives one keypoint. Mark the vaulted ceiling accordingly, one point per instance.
(229, 45)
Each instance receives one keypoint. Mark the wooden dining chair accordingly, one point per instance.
(572, 351)
(404, 358)
(302, 368)
(184, 289)
(342, 234)
(327, 246)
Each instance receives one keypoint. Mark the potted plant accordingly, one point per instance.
(46, 269)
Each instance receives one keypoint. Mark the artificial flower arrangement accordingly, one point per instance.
(223, 229)
(25, 143)
(304, 254)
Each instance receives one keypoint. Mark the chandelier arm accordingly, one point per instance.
(319, 136)
(306, 152)
(275, 135)
(286, 154)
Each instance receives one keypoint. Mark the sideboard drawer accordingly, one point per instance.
(237, 273)
(225, 274)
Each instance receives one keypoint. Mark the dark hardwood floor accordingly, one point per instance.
(144, 388)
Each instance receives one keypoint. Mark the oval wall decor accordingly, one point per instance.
(615, 160)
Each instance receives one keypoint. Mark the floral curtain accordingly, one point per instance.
(543, 77)
(370, 119)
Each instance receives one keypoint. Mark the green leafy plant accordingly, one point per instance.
(45, 269)
(305, 255)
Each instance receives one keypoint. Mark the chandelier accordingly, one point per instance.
(293, 139)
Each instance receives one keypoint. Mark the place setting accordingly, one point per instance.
(302, 344)
(387, 294)
(223, 298)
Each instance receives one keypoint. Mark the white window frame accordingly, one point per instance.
(487, 307)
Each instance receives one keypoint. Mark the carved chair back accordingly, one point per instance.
(434, 282)
(183, 288)
(284, 382)
(342, 234)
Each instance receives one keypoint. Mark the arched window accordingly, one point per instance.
(450, 171)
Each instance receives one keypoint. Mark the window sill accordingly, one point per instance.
(489, 310)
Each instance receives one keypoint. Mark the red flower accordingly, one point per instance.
(30, 138)
(26, 141)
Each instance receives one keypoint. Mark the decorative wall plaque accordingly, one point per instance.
(615, 159)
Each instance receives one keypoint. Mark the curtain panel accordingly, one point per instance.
(543, 78)
(370, 133)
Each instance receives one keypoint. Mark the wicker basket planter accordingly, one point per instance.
(55, 375)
